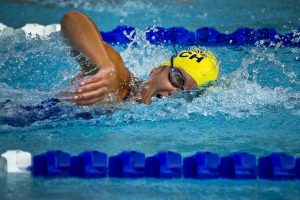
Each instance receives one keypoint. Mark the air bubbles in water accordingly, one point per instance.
(46, 66)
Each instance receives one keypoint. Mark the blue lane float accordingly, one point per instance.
(165, 165)
(89, 164)
(51, 163)
(128, 164)
(297, 168)
(278, 166)
(203, 36)
(202, 165)
(239, 165)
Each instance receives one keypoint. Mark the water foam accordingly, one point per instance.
(48, 63)
(30, 30)
(241, 99)
(138, 56)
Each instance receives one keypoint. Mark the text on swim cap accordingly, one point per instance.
(190, 55)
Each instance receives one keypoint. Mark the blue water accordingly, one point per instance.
(190, 14)
(254, 107)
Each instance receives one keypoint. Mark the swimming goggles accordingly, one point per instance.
(175, 76)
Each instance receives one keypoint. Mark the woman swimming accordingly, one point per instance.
(111, 81)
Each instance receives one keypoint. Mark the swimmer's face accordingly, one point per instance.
(160, 84)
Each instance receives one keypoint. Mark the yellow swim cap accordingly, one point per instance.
(200, 64)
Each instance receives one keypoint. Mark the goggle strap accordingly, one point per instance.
(174, 48)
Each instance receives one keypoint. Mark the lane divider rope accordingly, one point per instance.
(204, 36)
(177, 35)
(164, 164)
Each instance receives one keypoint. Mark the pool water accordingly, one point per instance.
(254, 107)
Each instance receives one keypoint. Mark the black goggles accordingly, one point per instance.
(176, 77)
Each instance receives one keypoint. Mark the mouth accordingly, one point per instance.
(159, 96)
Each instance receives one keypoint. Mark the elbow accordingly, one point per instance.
(69, 17)
(68, 21)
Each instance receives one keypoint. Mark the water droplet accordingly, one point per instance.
(288, 105)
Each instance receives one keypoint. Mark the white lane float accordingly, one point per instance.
(15, 161)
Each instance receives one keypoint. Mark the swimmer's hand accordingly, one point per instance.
(93, 89)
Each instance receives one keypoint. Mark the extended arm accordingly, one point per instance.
(112, 78)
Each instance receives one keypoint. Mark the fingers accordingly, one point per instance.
(91, 86)
(91, 90)
(103, 74)
(88, 98)
(65, 94)
(88, 92)
(86, 95)
(93, 79)
(91, 95)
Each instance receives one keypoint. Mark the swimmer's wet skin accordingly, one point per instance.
(114, 82)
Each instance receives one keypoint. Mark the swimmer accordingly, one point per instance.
(107, 78)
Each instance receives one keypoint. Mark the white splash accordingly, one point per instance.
(33, 30)
(30, 30)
